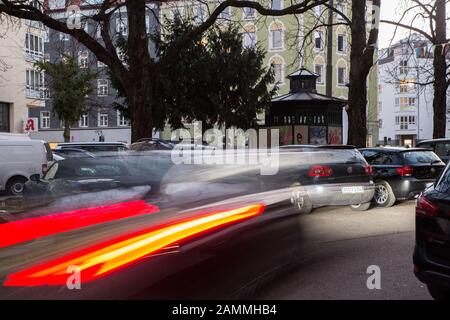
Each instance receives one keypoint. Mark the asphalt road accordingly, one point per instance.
(324, 255)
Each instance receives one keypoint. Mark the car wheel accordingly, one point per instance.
(360, 207)
(301, 202)
(439, 292)
(384, 196)
(15, 186)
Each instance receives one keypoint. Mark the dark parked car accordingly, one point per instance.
(333, 175)
(148, 144)
(440, 146)
(432, 251)
(401, 173)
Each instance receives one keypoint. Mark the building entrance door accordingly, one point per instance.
(4, 117)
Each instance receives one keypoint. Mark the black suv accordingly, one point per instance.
(401, 173)
(432, 251)
(440, 146)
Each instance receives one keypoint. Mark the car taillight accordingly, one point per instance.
(368, 169)
(44, 168)
(425, 207)
(405, 171)
(320, 171)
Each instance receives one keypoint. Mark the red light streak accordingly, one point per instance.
(28, 229)
(102, 259)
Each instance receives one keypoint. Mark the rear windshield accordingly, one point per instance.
(420, 157)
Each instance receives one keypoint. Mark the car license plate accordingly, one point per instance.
(352, 190)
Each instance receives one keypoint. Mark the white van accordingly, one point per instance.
(20, 159)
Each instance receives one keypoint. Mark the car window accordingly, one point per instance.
(382, 158)
(442, 149)
(425, 145)
(420, 157)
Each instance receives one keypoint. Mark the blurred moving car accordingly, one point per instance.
(151, 144)
(334, 175)
(401, 173)
(68, 153)
(79, 175)
(432, 250)
(19, 160)
(440, 146)
(94, 146)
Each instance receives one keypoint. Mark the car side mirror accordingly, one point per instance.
(35, 178)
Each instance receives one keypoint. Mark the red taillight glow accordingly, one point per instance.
(320, 171)
(425, 207)
(368, 169)
(405, 171)
(101, 260)
(28, 229)
(44, 168)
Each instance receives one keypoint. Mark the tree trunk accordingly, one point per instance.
(66, 133)
(140, 105)
(361, 61)
(140, 86)
(440, 82)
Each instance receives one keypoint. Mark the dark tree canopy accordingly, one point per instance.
(214, 80)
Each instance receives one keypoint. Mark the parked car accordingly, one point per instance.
(94, 146)
(401, 173)
(432, 250)
(67, 153)
(147, 144)
(19, 160)
(440, 146)
(334, 175)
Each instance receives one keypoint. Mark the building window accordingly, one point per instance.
(83, 59)
(403, 69)
(46, 34)
(45, 119)
(342, 76)
(63, 36)
(34, 46)
(34, 83)
(422, 53)
(199, 14)
(122, 26)
(102, 119)
(318, 10)
(341, 43)
(249, 37)
(225, 14)
(406, 86)
(318, 68)
(102, 87)
(84, 121)
(176, 13)
(277, 65)
(4, 117)
(341, 7)
(277, 4)
(276, 37)
(249, 13)
(318, 40)
(121, 120)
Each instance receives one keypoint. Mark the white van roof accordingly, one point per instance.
(14, 136)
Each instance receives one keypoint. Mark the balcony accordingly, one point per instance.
(406, 128)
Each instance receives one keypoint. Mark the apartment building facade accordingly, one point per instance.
(20, 84)
(405, 106)
(101, 120)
